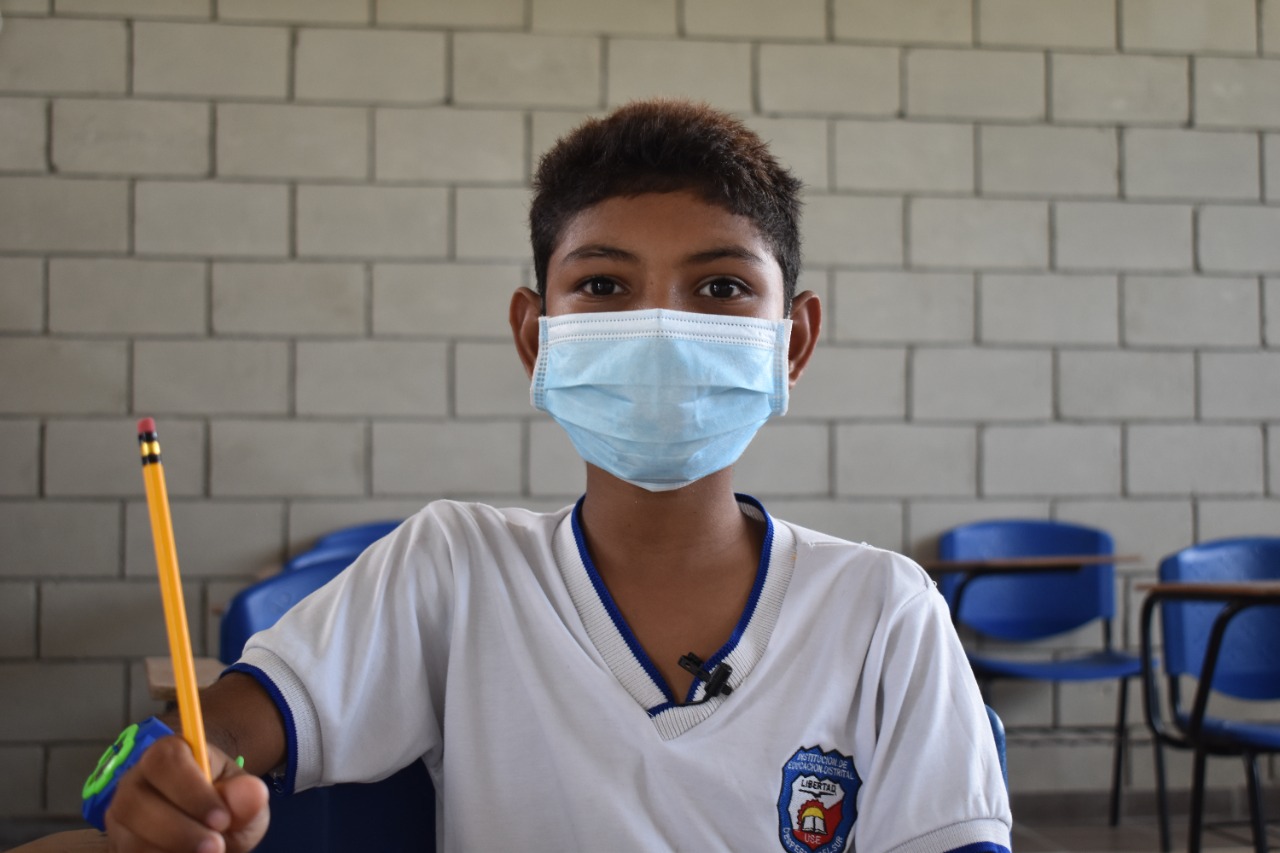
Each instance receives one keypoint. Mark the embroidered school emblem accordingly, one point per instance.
(816, 808)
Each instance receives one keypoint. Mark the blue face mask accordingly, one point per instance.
(661, 398)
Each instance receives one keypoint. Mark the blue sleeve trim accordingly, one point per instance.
(981, 847)
(290, 733)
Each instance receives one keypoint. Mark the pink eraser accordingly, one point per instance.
(146, 425)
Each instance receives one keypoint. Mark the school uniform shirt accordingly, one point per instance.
(483, 642)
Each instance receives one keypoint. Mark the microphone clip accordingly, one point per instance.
(717, 679)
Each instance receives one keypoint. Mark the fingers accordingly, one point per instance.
(246, 798)
(166, 803)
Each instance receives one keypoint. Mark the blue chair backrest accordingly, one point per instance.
(260, 606)
(359, 535)
(339, 555)
(1249, 662)
(1029, 606)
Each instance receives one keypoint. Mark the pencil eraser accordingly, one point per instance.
(147, 425)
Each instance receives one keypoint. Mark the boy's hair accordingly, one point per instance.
(660, 146)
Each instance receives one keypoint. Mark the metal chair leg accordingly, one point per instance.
(1256, 816)
(1122, 747)
(1197, 802)
(1162, 796)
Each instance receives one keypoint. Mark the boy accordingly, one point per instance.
(662, 666)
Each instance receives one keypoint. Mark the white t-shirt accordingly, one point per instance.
(483, 642)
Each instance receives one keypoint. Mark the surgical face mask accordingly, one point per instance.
(661, 398)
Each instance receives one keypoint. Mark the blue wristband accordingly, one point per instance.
(100, 787)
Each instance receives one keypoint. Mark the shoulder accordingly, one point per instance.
(857, 566)
(461, 522)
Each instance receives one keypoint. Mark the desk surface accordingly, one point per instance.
(1217, 591)
(163, 686)
(1030, 563)
(75, 841)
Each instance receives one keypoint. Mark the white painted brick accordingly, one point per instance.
(22, 134)
(63, 215)
(549, 127)
(211, 60)
(1238, 93)
(904, 156)
(46, 55)
(716, 72)
(1056, 161)
(1273, 460)
(1051, 459)
(877, 523)
(137, 8)
(19, 458)
(1190, 164)
(981, 384)
(492, 223)
(450, 13)
(799, 144)
(449, 145)
(69, 766)
(375, 222)
(489, 380)
(1190, 311)
(285, 141)
(786, 459)
(1270, 12)
(211, 377)
(190, 218)
(288, 298)
(88, 619)
(1272, 168)
(848, 382)
(295, 11)
(905, 460)
(1240, 385)
(1271, 298)
(927, 21)
(214, 539)
(1223, 519)
(91, 458)
(21, 294)
(1239, 239)
(1122, 385)
(308, 520)
(456, 458)
(1060, 309)
(125, 296)
(1093, 703)
(526, 70)
(1110, 235)
(831, 78)
(1211, 460)
(48, 375)
(400, 66)
(62, 701)
(632, 17)
(765, 19)
(555, 468)
(287, 458)
(37, 544)
(1087, 24)
(36, 7)
(841, 229)
(978, 233)
(17, 620)
(1189, 26)
(372, 378)
(131, 136)
(1147, 528)
(928, 519)
(903, 306)
(22, 785)
(975, 84)
(444, 300)
(1111, 89)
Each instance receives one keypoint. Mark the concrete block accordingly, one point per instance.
(549, 127)
(786, 459)
(211, 377)
(904, 156)
(23, 132)
(849, 382)
(1093, 703)
(1126, 236)
(833, 78)
(903, 306)
(126, 297)
(22, 786)
(1273, 460)
(799, 144)
(35, 7)
(1081, 24)
(480, 14)
(652, 18)
(877, 523)
(17, 620)
(1271, 298)
(978, 233)
(1270, 26)
(216, 539)
(492, 223)
(1064, 765)
(1118, 384)
(1119, 89)
(981, 384)
(1053, 161)
(712, 71)
(62, 701)
(396, 66)
(526, 70)
(1044, 309)
(295, 11)
(448, 145)
(92, 458)
(202, 218)
(764, 19)
(19, 457)
(923, 21)
(489, 380)
(381, 222)
(130, 136)
(60, 538)
(362, 378)
(55, 376)
(21, 294)
(1051, 460)
(890, 460)
(1271, 145)
(1194, 458)
(555, 468)
(63, 215)
(287, 458)
(288, 298)
(210, 60)
(1238, 93)
(89, 619)
(985, 84)
(841, 229)
(285, 141)
(447, 459)
(443, 300)
(1176, 311)
(1149, 528)
(1189, 26)
(1239, 239)
(1223, 519)
(308, 520)
(929, 519)
(45, 55)
(1240, 385)
(69, 766)
(1190, 164)
(197, 9)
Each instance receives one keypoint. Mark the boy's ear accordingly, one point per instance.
(806, 324)
(526, 308)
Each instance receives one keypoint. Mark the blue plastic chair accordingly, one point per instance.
(1231, 649)
(1017, 607)
(997, 731)
(332, 555)
(358, 535)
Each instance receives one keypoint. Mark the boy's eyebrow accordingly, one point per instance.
(613, 253)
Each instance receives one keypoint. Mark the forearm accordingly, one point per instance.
(240, 719)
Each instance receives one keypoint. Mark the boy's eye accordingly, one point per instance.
(723, 288)
(599, 286)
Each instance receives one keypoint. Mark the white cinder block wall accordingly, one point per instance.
(1046, 233)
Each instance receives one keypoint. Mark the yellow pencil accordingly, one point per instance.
(175, 613)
